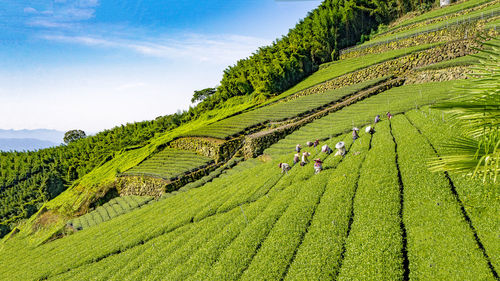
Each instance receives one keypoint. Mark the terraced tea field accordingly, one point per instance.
(378, 203)
(449, 10)
(488, 12)
(376, 213)
(112, 209)
(395, 100)
(170, 164)
(277, 112)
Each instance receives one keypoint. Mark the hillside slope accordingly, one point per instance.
(376, 213)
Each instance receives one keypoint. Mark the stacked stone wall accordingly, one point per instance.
(156, 187)
(255, 144)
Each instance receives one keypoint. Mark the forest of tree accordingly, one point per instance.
(318, 38)
(28, 179)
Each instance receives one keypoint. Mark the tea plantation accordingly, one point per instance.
(169, 164)
(376, 213)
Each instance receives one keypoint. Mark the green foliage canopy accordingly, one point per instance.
(74, 135)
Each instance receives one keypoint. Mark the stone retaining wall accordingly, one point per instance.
(399, 66)
(255, 144)
(219, 150)
(438, 75)
(156, 187)
(452, 33)
(442, 18)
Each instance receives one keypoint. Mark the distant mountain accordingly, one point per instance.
(20, 140)
(24, 144)
(41, 134)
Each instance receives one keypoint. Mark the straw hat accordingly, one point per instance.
(318, 160)
(368, 129)
(355, 129)
(339, 145)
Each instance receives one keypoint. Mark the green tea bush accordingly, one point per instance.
(169, 164)
(440, 243)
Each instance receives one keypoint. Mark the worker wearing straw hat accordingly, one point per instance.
(377, 119)
(298, 147)
(355, 135)
(326, 149)
(318, 166)
(340, 146)
(370, 130)
(305, 155)
(284, 168)
(296, 158)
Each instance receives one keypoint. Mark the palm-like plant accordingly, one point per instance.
(476, 110)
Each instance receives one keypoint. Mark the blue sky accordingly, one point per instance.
(95, 64)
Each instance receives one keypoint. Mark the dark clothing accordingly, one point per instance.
(355, 135)
(316, 143)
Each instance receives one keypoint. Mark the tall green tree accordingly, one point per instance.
(73, 135)
(202, 94)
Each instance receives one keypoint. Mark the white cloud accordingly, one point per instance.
(63, 14)
(48, 23)
(216, 48)
(30, 10)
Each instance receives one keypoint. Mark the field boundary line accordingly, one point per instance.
(351, 216)
(404, 248)
(465, 215)
(312, 217)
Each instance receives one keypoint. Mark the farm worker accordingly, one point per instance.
(325, 148)
(304, 157)
(377, 119)
(284, 168)
(355, 135)
(298, 147)
(316, 143)
(369, 130)
(389, 115)
(318, 165)
(340, 146)
(296, 158)
(309, 143)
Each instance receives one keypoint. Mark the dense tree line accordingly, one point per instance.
(316, 39)
(28, 179)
